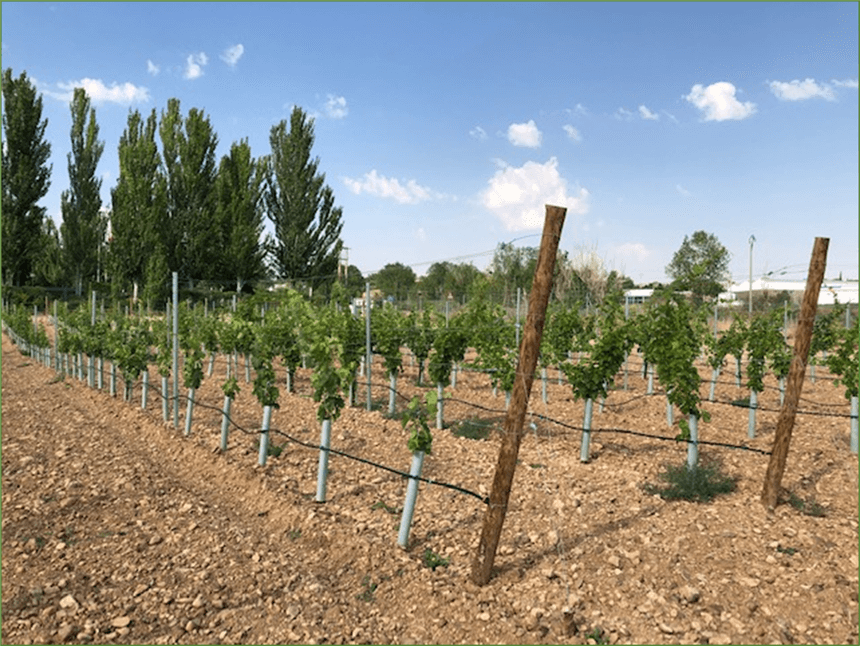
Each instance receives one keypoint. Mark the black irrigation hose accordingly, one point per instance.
(617, 430)
(811, 413)
(656, 437)
(716, 401)
(484, 499)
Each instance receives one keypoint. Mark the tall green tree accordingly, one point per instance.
(701, 265)
(395, 279)
(83, 228)
(437, 280)
(444, 278)
(190, 237)
(354, 282)
(301, 206)
(463, 276)
(139, 199)
(26, 177)
(239, 203)
(513, 267)
(48, 268)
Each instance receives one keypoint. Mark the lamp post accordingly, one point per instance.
(752, 240)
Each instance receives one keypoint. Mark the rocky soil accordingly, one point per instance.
(117, 528)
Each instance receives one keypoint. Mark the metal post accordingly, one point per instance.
(367, 361)
(716, 314)
(56, 328)
(175, 350)
(752, 240)
(519, 294)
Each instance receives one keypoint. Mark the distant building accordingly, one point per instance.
(832, 292)
(637, 296)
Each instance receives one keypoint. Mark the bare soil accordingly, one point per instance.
(117, 528)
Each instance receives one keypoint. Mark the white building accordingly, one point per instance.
(832, 291)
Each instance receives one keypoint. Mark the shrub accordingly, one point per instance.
(698, 484)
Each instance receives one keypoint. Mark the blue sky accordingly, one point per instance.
(443, 128)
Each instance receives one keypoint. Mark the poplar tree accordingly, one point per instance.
(138, 202)
(83, 228)
(190, 236)
(301, 206)
(239, 208)
(26, 177)
(48, 268)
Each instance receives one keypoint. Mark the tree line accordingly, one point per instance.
(175, 206)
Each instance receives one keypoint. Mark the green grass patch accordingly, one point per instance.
(809, 506)
(381, 505)
(68, 536)
(432, 560)
(699, 484)
(272, 449)
(369, 587)
(473, 428)
(598, 635)
(380, 405)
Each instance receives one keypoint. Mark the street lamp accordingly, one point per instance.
(752, 240)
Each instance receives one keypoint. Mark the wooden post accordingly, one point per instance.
(802, 340)
(513, 426)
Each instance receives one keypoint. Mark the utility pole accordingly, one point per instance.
(512, 429)
(752, 240)
(344, 264)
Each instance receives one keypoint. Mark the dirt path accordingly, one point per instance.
(117, 528)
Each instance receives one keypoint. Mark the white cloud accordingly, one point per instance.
(578, 109)
(152, 68)
(572, 132)
(375, 184)
(421, 234)
(231, 55)
(718, 102)
(635, 250)
(524, 134)
(647, 114)
(623, 115)
(194, 65)
(335, 107)
(852, 83)
(518, 196)
(478, 133)
(797, 90)
(683, 191)
(124, 94)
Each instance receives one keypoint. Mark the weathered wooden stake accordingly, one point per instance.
(802, 340)
(494, 517)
